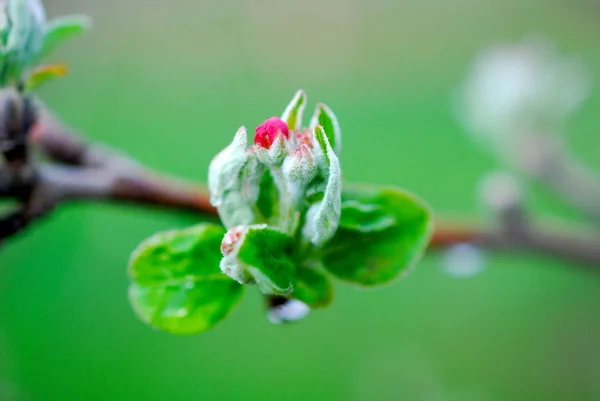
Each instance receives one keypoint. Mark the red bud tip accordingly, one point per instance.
(267, 132)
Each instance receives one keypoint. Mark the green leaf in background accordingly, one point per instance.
(43, 74)
(313, 287)
(61, 29)
(294, 111)
(265, 252)
(325, 117)
(177, 285)
(370, 251)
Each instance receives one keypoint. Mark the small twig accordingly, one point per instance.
(514, 232)
(94, 172)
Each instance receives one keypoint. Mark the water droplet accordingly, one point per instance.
(287, 311)
(463, 261)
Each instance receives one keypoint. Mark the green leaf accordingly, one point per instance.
(372, 252)
(294, 111)
(266, 252)
(325, 118)
(176, 283)
(43, 74)
(365, 218)
(61, 29)
(313, 287)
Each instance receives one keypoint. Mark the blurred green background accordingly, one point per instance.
(170, 82)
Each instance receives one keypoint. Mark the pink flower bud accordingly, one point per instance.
(231, 239)
(299, 169)
(230, 264)
(267, 132)
(305, 137)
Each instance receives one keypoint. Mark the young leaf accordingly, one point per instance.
(313, 287)
(61, 29)
(322, 218)
(176, 283)
(43, 74)
(22, 25)
(294, 111)
(325, 118)
(264, 252)
(369, 249)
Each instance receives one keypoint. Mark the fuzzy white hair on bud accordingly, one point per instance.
(325, 117)
(274, 155)
(323, 218)
(225, 183)
(294, 111)
(230, 264)
(299, 169)
(251, 176)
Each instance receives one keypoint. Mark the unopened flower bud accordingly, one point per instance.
(305, 136)
(271, 141)
(269, 131)
(230, 264)
(299, 169)
(323, 218)
(274, 155)
(225, 183)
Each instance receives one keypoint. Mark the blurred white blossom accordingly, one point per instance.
(514, 89)
(500, 190)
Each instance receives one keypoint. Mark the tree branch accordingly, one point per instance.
(90, 172)
(79, 171)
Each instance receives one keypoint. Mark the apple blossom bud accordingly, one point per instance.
(230, 264)
(225, 183)
(269, 131)
(299, 169)
(271, 141)
(322, 218)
